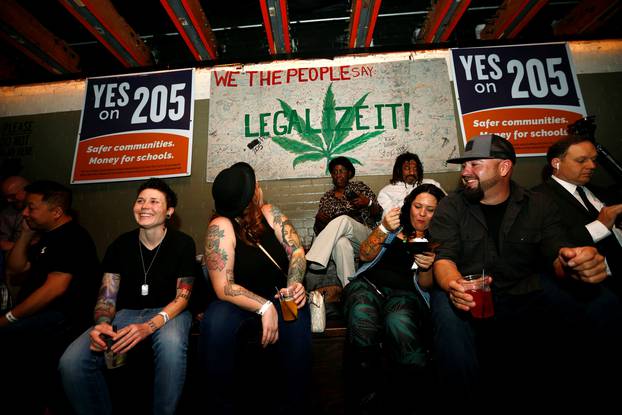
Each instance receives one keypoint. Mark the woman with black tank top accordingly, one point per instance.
(387, 308)
(253, 253)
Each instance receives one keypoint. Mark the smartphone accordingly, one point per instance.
(419, 247)
(351, 194)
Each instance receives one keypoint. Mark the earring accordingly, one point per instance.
(168, 216)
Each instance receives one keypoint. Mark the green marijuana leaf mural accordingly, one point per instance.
(332, 142)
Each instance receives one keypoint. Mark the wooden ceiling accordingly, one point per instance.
(50, 40)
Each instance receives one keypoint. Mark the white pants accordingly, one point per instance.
(339, 240)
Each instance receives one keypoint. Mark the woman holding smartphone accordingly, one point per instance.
(386, 305)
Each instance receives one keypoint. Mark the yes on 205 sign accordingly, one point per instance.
(135, 126)
(525, 93)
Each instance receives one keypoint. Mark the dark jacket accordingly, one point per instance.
(574, 218)
(530, 237)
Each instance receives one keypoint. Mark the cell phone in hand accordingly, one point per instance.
(351, 194)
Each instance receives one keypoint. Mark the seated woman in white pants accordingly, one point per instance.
(345, 218)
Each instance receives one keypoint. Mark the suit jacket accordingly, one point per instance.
(574, 217)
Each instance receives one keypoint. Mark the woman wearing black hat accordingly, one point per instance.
(251, 248)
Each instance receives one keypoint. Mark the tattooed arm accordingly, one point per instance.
(372, 245)
(288, 237)
(220, 259)
(105, 309)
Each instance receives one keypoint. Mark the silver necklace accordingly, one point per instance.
(144, 289)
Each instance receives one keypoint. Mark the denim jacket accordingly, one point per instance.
(368, 265)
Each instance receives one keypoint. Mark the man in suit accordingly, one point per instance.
(589, 214)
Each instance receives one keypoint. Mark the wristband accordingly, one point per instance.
(165, 316)
(383, 229)
(264, 308)
(10, 317)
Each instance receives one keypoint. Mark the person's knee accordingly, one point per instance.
(69, 364)
(343, 247)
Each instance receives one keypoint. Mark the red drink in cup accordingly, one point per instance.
(478, 287)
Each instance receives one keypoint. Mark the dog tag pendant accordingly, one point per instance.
(144, 289)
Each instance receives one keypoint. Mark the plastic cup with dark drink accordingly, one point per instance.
(113, 360)
(288, 305)
(477, 285)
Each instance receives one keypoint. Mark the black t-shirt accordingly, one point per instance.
(174, 259)
(494, 216)
(254, 271)
(68, 249)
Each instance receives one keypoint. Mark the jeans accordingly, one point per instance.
(224, 326)
(82, 369)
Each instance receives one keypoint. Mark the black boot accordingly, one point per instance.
(362, 379)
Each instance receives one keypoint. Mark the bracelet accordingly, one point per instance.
(383, 229)
(264, 308)
(10, 317)
(165, 316)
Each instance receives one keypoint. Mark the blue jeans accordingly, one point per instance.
(221, 328)
(82, 369)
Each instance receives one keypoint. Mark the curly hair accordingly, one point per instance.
(399, 162)
(408, 227)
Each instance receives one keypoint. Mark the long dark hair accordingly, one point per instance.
(249, 225)
(399, 162)
(408, 227)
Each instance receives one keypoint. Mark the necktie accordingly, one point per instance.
(589, 206)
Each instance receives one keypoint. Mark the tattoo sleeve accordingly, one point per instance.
(233, 290)
(291, 243)
(215, 256)
(184, 288)
(289, 237)
(371, 246)
(105, 307)
(297, 266)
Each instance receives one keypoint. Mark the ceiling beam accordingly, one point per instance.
(587, 17)
(104, 22)
(191, 23)
(362, 22)
(21, 30)
(276, 23)
(442, 19)
(511, 17)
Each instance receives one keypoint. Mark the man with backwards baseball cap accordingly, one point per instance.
(494, 227)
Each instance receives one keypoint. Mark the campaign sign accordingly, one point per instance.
(134, 127)
(528, 94)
